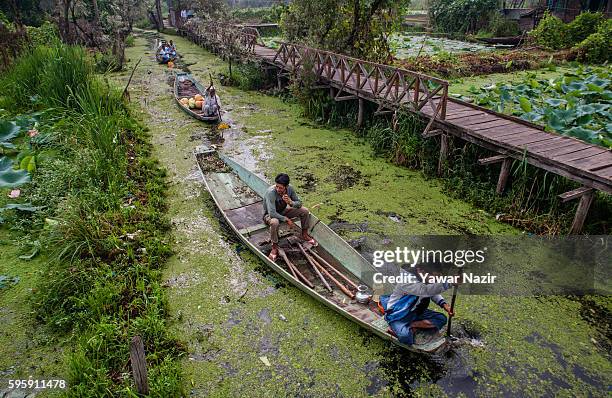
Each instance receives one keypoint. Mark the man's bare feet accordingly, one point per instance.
(424, 324)
(273, 253)
(309, 238)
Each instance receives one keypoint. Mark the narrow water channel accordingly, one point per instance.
(249, 333)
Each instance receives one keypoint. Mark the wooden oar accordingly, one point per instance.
(290, 266)
(450, 318)
(294, 268)
(340, 274)
(312, 262)
(336, 282)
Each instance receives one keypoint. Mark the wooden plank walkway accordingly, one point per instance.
(589, 164)
(395, 88)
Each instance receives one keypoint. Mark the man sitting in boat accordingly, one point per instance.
(406, 309)
(164, 52)
(281, 204)
(212, 102)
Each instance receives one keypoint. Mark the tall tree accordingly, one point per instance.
(96, 12)
(210, 8)
(356, 27)
(159, 17)
(65, 22)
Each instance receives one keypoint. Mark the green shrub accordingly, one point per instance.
(130, 41)
(143, 23)
(5, 21)
(595, 49)
(248, 76)
(259, 14)
(44, 35)
(550, 33)
(503, 27)
(584, 25)
(105, 62)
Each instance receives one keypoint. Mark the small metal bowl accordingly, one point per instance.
(363, 295)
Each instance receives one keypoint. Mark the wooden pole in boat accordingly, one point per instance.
(294, 268)
(340, 274)
(336, 282)
(290, 268)
(312, 262)
(450, 318)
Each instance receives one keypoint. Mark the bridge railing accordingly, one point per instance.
(387, 85)
(223, 36)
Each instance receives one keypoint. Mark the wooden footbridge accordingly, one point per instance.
(392, 88)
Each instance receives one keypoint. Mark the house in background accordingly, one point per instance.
(528, 13)
(567, 10)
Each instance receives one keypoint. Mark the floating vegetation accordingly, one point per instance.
(576, 103)
(407, 45)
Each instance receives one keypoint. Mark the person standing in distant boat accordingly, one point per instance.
(281, 203)
(212, 102)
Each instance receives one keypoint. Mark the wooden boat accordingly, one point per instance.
(159, 57)
(238, 194)
(508, 41)
(185, 86)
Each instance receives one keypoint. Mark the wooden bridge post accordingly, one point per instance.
(503, 175)
(443, 153)
(586, 196)
(360, 112)
(279, 79)
(444, 100)
(332, 92)
(417, 92)
(581, 212)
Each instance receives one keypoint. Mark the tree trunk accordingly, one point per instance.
(356, 15)
(65, 28)
(17, 17)
(158, 12)
(119, 49)
(96, 11)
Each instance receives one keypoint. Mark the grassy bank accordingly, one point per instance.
(100, 222)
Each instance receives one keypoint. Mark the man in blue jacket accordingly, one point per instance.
(406, 309)
(281, 204)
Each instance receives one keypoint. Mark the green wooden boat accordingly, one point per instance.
(159, 57)
(186, 86)
(238, 194)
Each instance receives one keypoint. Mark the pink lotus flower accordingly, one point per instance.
(33, 133)
(14, 194)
